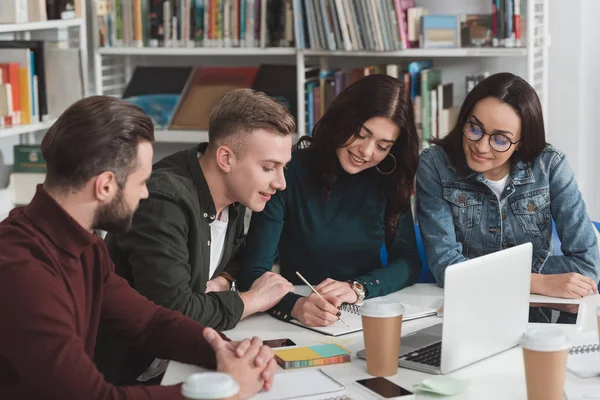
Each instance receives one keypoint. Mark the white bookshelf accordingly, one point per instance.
(40, 26)
(71, 31)
(180, 136)
(198, 51)
(113, 67)
(424, 53)
(188, 136)
(23, 129)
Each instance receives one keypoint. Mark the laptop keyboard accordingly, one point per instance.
(430, 355)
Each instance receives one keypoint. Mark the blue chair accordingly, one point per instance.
(426, 276)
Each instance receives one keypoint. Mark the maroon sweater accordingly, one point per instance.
(57, 283)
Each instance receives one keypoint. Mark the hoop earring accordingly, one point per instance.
(390, 171)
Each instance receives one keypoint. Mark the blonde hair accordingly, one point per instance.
(242, 111)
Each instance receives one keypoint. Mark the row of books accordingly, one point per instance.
(190, 23)
(389, 25)
(433, 100)
(38, 81)
(22, 11)
(182, 98)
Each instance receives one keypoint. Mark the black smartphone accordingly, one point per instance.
(279, 343)
(384, 387)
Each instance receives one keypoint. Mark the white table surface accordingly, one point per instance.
(499, 377)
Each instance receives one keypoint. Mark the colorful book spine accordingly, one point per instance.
(517, 22)
(312, 356)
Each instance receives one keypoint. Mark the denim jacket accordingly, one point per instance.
(460, 217)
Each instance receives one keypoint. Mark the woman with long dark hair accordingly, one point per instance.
(348, 191)
(493, 182)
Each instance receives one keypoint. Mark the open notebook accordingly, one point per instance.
(351, 314)
(303, 384)
(584, 355)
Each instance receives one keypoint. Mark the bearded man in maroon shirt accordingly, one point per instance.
(57, 281)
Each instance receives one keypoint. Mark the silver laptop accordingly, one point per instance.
(486, 311)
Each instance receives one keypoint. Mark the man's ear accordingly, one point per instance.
(105, 186)
(225, 158)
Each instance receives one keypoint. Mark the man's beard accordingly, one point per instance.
(114, 216)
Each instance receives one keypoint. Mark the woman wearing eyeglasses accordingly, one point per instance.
(493, 182)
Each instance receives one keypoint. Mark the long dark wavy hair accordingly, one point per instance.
(371, 96)
(518, 94)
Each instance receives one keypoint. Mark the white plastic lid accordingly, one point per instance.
(209, 385)
(545, 339)
(381, 308)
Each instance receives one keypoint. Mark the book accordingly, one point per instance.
(22, 56)
(311, 356)
(351, 314)
(584, 355)
(64, 78)
(440, 31)
(28, 158)
(476, 30)
(38, 68)
(303, 384)
(202, 92)
(14, 12)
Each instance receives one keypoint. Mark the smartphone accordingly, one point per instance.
(384, 388)
(279, 343)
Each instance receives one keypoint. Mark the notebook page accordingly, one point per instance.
(584, 357)
(305, 384)
(338, 328)
(353, 318)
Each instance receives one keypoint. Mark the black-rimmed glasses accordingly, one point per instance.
(498, 141)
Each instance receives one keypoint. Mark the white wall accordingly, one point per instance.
(590, 86)
(574, 92)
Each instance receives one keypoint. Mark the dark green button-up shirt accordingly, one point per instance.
(166, 254)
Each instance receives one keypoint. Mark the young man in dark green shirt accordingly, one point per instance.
(183, 249)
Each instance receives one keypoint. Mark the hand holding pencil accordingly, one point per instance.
(315, 319)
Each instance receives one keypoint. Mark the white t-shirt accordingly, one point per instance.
(498, 186)
(218, 230)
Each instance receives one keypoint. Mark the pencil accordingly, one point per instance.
(317, 293)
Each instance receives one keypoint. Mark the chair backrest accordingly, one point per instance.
(426, 276)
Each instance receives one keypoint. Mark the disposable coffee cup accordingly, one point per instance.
(545, 353)
(210, 386)
(382, 327)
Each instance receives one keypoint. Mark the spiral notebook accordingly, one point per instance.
(584, 355)
(351, 314)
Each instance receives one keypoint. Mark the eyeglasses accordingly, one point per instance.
(498, 141)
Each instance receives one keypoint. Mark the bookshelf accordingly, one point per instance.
(177, 136)
(184, 136)
(24, 129)
(41, 26)
(70, 33)
(424, 53)
(199, 51)
(113, 66)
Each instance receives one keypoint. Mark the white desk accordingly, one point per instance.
(499, 377)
